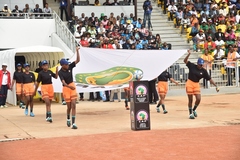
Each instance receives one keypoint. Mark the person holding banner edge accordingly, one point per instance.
(69, 88)
(196, 72)
(45, 76)
(163, 88)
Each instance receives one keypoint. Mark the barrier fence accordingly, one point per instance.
(26, 15)
(222, 73)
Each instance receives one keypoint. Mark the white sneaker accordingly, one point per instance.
(5, 106)
(1, 106)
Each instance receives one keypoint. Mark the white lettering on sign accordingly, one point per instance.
(141, 99)
(142, 125)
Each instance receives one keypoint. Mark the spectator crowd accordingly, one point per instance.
(115, 32)
(212, 23)
(214, 28)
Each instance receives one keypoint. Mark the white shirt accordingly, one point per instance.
(77, 35)
(219, 53)
(47, 10)
(129, 27)
(101, 30)
(223, 11)
(5, 78)
(82, 30)
(115, 47)
(172, 8)
(198, 36)
(219, 43)
(237, 18)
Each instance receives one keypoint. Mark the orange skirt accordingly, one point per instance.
(18, 88)
(47, 91)
(162, 87)
(28, 89)
(192, 88)
(69, 94)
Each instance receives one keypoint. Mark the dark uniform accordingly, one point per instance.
(163, 82)
(47, 87)
(194, 76)
(28, 83)
(67, 76)
(18, 77)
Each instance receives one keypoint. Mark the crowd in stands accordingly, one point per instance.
(214, 28)
(115, 32)
(212, 23)
(16, 12)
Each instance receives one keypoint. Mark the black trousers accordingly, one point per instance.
(230, 76)
(107, 95)
(3, 94)
(153, 96)
(91, 96)
(205, 82)
(62, 8)
(81, 95)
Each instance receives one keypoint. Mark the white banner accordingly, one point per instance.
(107, 69)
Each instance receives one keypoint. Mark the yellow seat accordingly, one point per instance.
(162, 5)
(159, 2)
(189, 37)
(175, 21)
(168, 15)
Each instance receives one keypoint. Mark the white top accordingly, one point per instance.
(101, 30)
(198, 36)
(115, 47)
(129, 27)
(5, 78)
(172, 8)
(219, 43)
(237, 18)
(219, 53)
(77, 34)
(47, 10)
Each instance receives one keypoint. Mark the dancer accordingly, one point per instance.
(17, 78)
(69, 88)
(196, 72)
(28, 83)
(45, 76)
(163, 88)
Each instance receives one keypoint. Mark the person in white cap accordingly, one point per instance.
(5, 84)
(6, 10)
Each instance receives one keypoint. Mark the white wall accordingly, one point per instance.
(21, 3)
(25, 32)
(117, 10)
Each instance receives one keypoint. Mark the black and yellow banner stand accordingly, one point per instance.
(139, 105)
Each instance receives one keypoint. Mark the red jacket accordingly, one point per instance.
(211, 47)
(9, 78)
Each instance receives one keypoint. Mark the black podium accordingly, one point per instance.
(139, 105)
